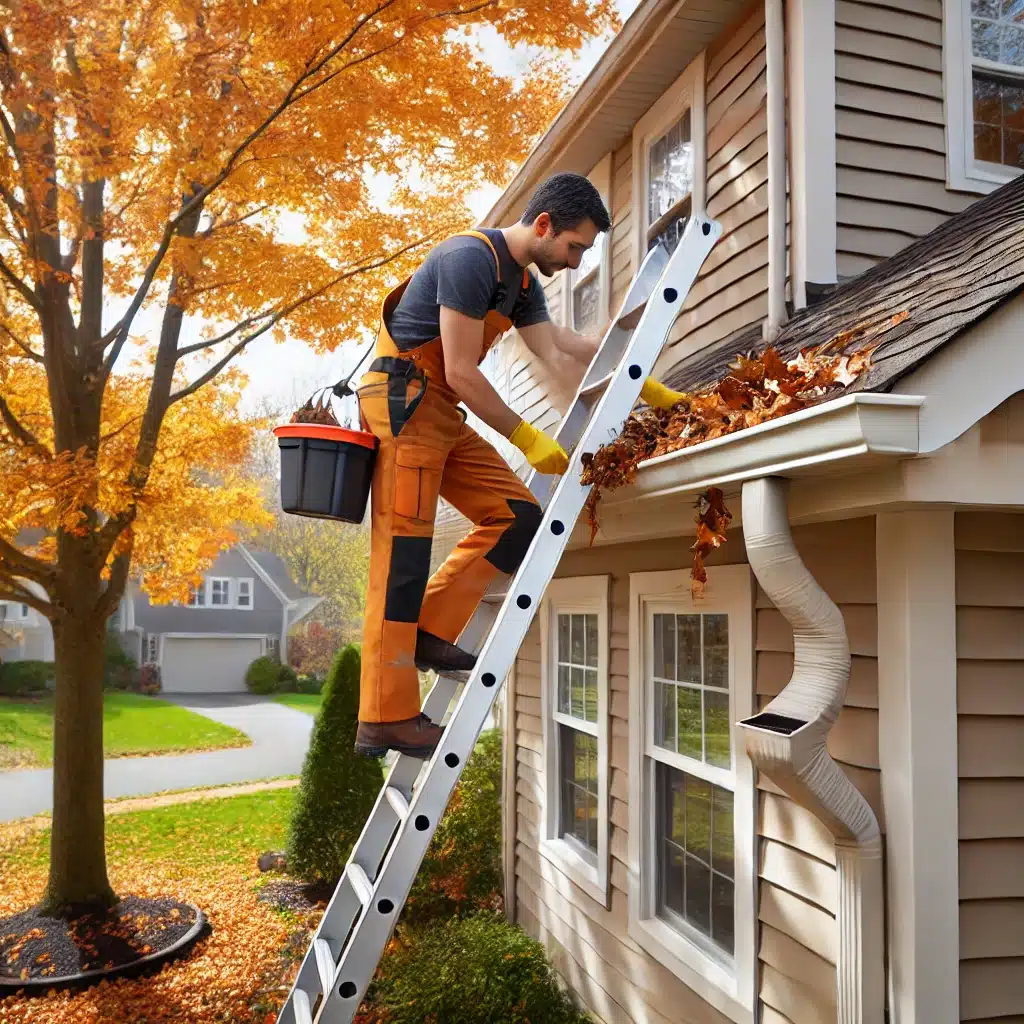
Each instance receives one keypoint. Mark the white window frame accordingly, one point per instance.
(271, 645)
(600, 177)
(202, 591)
(227, 580)
(730, 988)
(236, 593)
(687, 91)
(963, 171)
(585, 595)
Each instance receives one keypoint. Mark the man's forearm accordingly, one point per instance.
(580, 348)
(482, 400)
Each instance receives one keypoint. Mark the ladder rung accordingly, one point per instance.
(303, 1011)
(629, 320)
(360, 883)
(324, 964)
(398, 802)
(598, 387)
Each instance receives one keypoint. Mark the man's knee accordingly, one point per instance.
(514, 542)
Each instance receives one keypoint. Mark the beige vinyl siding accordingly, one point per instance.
(796, 865)
(990, 726)
(732, 290)
(622, 224)
(890, 134)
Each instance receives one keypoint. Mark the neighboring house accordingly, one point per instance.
(245, 608)
(650, 841)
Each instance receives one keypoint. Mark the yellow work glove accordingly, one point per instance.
(657, 396)
(542, 452)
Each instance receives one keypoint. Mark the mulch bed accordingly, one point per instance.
(298, 896)
(37, 950)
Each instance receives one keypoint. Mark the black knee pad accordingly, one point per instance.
(513, 544)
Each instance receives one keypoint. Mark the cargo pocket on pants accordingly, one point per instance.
(418, 472)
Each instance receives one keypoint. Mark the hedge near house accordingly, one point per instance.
(338, 786)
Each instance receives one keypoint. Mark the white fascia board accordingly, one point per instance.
(264, 575)
(852, 429)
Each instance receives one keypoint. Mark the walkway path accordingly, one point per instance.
(280, 738)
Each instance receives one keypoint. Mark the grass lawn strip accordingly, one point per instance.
(308, 702)
(133, 726)
(205, 854)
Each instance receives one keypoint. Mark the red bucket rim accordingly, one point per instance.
(325, 432)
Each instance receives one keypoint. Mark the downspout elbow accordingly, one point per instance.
(787, 742)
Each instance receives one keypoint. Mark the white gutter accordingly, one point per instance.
(775, 56)
(787, 741)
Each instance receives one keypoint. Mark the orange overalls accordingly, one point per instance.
(426, 450)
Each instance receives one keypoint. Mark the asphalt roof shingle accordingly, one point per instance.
(945, 281)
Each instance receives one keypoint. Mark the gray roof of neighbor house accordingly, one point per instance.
(945, 282)
(274, 566)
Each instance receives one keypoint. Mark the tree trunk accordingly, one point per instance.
(78, 863)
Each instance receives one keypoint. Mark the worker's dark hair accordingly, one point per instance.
(570, 199)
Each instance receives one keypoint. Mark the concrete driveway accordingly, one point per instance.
(280, 738)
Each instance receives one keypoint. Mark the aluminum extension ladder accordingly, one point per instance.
(340, 963)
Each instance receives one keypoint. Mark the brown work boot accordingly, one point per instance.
(443, 657)
(417, 737)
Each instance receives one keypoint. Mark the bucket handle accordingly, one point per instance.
(317, 408)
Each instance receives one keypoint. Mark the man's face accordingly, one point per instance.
(553, 253)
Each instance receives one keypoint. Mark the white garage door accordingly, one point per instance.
(207, 664)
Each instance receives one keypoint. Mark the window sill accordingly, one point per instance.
(701, 973)
(579, 869)
(979, 176)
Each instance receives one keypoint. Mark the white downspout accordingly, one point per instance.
(775, 57)
(787, 739)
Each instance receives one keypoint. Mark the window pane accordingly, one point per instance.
(688, 648)
(578, 811)
(563, 689)
(563, 638)
(998, 120)
(665, 723)
(698, 895)
(590, 696)
(670, 647)
(723, 912)
(576, 702)
(722, 833)
(716, 726)
(698, 818)
(658, 648)
(592, 642)
(985, 39)
(716, 651)
(688, 716)
(576, 647)
(672, 234)
(670, 169)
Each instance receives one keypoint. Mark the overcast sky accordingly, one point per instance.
(290, 371)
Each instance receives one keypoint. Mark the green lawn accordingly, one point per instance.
(133, 725)
(308, 702)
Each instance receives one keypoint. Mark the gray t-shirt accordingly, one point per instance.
(460, 273)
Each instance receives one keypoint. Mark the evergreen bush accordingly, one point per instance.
(308, 684)
(338, 786)
(262, 675)
(474, 970)
(462, 870)
(287, 679)
(120, 671)
(25, 678)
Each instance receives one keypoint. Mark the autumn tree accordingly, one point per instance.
(151, 153)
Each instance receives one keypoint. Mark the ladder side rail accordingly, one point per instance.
(374, 927)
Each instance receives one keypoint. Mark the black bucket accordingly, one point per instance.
(326, 471)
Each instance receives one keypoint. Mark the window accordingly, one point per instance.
(24, 611)
(574, 705)
(272, 646)
(220, 592)
(984, 67)
(243, 593)
(197, 596)
(586, 291)
(691, 825)
(669, 150)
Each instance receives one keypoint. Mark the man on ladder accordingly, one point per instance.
(436, 327)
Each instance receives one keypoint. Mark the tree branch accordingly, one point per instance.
(20, 432)
(199, 346)
(30, 353)
(12, 592)
(18, 563)
(112, 593)
(22, 289)
(232, 223)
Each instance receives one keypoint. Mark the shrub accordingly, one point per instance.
(149, 678)
(312, 648)
(308, 684)
(287, 679)
(477, 970)
(263, 675)
(462, 869)
(119, 667)
(338, 786)
(24, 678)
